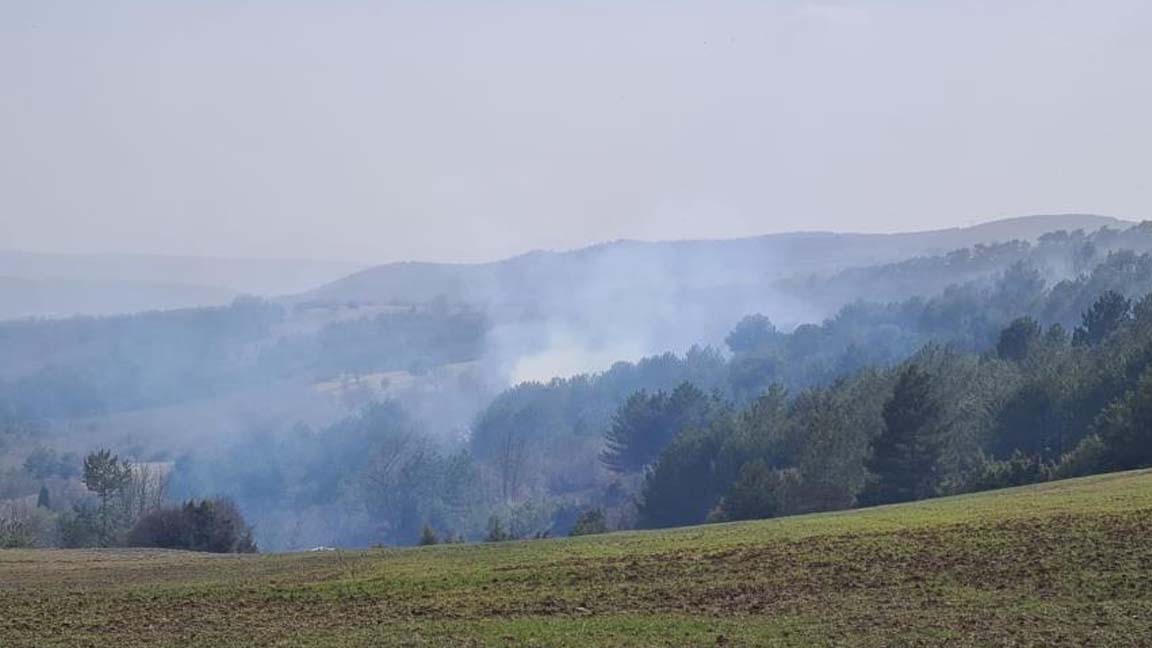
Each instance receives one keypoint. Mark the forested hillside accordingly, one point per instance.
(86, 366)
(362, 423)
(1015, 382)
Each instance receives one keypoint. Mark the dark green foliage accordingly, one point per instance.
(590, 522)
(1030, 420)
(1142, 315)
(646, 423)
(1020, 288)
(1017, 470)
(905, 455)
(1041, 401)
(555, 431)
(1018, 339)
(1103, 319)
(1085, 459)
(762, 430)
(793, 422)
(832, 431)
(1125, 428)
(683, 486)
(759, 492)
(214, 526)
(749, 373)
(105, 475)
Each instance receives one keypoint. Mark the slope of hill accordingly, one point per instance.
(628, 298)
(636, 265)
(1065, 563)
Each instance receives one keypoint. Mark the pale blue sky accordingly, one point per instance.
(472, 130)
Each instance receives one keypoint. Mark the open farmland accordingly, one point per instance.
(1065, 563)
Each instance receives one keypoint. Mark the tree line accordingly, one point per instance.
(1042, 404)
(126, 504)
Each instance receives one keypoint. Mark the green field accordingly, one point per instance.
(1066, 563)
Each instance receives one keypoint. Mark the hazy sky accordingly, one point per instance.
(470, 130)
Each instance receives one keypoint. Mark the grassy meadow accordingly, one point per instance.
(1064, 563)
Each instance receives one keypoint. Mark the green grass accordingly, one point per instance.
(1066, 563)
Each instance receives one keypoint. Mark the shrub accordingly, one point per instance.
(590, 522)
(80, 527)
(428, 536)
(206, 525)
(1018, 470)
(25, 527)
(496, 532)
(1086, 458)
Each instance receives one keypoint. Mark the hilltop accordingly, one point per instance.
(618, 297)
(1062, 563)
(640, 265)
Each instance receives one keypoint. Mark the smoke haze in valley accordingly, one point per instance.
(366, 267)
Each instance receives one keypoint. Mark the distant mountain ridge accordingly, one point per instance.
(700, 262)
(36, 284)
(649, 278)
(49, 297)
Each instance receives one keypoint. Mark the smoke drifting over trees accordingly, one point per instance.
(619, 386)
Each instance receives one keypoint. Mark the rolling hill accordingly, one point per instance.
(627, 299)
(637, 265)
(1064, 563)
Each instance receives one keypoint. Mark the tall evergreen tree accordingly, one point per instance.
(646, 423)
(1104, 317)
(1125, 427)
(1018, 338)
(681, 487)
(106, 475)
(905, 455)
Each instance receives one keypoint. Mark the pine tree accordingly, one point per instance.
(106, 475)
(1103, 318)
(905, 455)
(1017, 339)
(1125, 428)
(646, 423)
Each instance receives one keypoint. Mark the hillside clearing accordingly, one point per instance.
(1064, 563)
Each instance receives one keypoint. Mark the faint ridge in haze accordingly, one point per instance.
(35, 284)
(691, 263)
